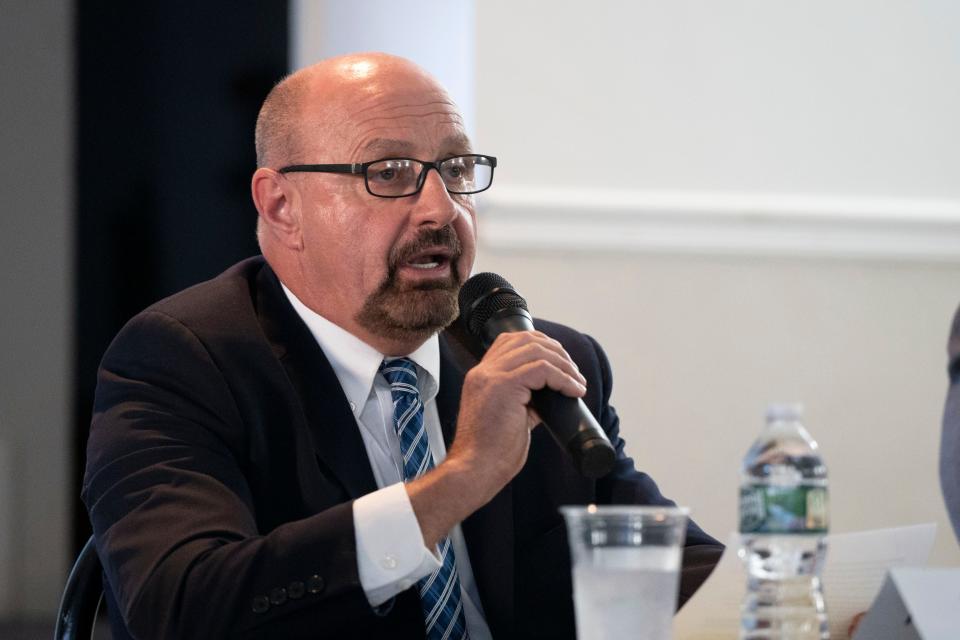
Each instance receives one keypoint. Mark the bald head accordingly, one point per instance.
(274, 136)
(320, 99)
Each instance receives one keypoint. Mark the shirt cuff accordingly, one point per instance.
(391, 556)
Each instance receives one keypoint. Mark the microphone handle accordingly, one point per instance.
(567, 419)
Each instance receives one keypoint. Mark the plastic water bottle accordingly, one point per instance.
(783, 524)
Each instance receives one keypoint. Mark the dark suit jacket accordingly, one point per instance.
(950, 438)
(223, 460)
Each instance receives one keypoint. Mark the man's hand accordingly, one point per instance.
(493, 428)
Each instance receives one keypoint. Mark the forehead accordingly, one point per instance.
(390, 117)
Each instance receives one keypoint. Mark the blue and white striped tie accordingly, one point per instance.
(439, 591)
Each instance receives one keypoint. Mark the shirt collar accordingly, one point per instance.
(356, 363)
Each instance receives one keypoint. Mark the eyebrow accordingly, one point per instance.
(393, 147)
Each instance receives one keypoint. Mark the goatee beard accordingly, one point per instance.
(414, 312)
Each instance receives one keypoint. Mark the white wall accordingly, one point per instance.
(855, 97)
(35, 281)
(745, 201)
(818, 128)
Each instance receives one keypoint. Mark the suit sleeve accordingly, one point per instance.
(950, 436)
(626, 485)
(172, 513)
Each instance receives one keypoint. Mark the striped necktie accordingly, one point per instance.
(440, 591)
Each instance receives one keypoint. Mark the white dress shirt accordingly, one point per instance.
(391, 555)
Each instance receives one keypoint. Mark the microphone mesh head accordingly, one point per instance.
(479, 299)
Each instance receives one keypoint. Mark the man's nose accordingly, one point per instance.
(434, 206)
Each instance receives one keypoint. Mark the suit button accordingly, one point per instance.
(278, 595)
(295, 590)
(315, 584)
(261, 604)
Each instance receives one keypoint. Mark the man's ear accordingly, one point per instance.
(278, 203)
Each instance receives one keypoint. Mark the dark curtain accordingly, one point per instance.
(167, 97)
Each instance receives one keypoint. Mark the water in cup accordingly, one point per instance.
(626, 563)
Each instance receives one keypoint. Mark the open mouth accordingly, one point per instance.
(428, 262)
(430, 259)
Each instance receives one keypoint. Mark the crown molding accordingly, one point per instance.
(751, 224)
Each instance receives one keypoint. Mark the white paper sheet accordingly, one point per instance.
(852, 577)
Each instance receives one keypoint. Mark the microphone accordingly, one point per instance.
(489, 306)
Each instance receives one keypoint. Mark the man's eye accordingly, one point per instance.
(391, 172)
(458, 169)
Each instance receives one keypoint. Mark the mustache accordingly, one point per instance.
(444, 237)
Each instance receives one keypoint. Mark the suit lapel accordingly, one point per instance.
(336, 439)
(489, 530)
(339, 447)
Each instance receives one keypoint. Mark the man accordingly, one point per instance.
(292, 450)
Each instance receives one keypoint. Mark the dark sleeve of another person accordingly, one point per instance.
(626, 485)
(173, 515)
(950, 438)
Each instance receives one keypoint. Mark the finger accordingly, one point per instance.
(555, 346)
(513, 338)
(542, 374)
(521, 345)
(533, 352)
(855, 622)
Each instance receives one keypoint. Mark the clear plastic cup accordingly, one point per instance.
(626, 569)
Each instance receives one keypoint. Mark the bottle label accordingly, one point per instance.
(772, 509)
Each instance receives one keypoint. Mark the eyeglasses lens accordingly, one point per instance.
(393, 177)
(396, 177)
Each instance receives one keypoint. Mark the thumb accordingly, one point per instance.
(533, 419)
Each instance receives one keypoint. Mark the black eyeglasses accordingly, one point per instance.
(399, 177)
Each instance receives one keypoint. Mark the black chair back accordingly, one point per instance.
(81, 597)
